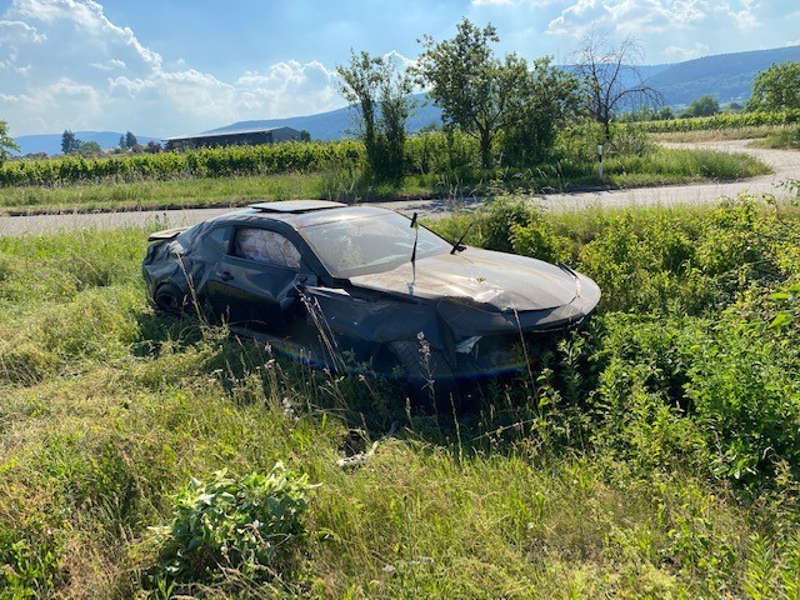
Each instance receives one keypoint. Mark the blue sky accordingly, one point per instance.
(161, 67)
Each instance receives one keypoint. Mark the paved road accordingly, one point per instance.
(785, 163)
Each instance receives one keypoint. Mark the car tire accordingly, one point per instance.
(168, 299)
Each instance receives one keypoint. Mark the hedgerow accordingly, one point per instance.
(721, 121)
(205, 162)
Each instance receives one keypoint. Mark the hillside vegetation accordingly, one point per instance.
(436, 165)
(654, 453)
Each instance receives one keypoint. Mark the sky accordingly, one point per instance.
(167, 67)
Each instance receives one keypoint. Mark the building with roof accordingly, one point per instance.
(249, 137)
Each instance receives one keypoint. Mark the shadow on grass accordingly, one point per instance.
(541, 406)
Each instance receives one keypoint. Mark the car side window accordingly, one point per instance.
(267, 247)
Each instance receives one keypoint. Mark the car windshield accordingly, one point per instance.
(371, 244)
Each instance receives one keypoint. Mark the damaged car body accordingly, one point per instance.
(355, 286)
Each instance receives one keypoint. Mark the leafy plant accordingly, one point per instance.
(251, 524)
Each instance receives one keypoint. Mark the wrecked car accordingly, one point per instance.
(358, 286)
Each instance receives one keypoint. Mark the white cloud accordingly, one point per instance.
(678, 54)
(92, 73)
(745, 18)
(640, 17)
(16, 32)
(112, 64)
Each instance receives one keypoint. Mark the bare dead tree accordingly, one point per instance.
(612, 80)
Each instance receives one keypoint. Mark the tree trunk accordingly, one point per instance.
(486, 149)
(607, 130)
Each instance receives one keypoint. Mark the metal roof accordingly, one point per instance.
(211, 134)
(296, 206)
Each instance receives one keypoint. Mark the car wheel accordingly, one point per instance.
(169, 299)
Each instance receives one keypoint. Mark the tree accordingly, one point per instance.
(89, 148)
(612, 83)
(305, 136)
(130, 140)
(549, 98)
(153, 147)
(703, 107)
(777, 88)
(380, 94)
(7, 143)
(122, 145)
(69, 143)
(473, 88)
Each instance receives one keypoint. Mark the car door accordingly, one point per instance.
(253, 284)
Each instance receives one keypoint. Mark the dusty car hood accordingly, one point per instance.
(495, 279)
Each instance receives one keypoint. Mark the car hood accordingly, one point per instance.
(492, 279)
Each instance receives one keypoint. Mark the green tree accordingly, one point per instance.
(305, 136)
(474, 89)
(7, 143)
(665, 114)
(122, 145)
(130, 140)
(703, 107)
(89, 148)
(777, 88)
(380, 94)
(549, 98)
(69, 143)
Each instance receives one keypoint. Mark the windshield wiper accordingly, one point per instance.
(458, 246)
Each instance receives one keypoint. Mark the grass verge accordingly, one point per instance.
(654, 454)
(785, 139)
(715, 135)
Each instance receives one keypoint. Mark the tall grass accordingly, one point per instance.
(653, 454)
(786, 139)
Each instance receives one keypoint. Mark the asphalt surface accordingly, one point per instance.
(785, 163)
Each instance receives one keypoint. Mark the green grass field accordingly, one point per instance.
(659, 167)
(653, 454)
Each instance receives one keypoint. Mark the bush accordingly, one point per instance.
(251, 524)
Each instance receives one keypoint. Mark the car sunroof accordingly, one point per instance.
(296, 206)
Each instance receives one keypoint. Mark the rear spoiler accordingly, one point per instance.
(166, 234)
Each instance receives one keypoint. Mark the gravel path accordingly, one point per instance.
(785, 163)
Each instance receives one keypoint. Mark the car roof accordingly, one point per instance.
(299, 219)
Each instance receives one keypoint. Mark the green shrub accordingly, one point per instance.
(251, 524)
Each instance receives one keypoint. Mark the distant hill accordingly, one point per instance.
(51, 142)
(727, 77)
